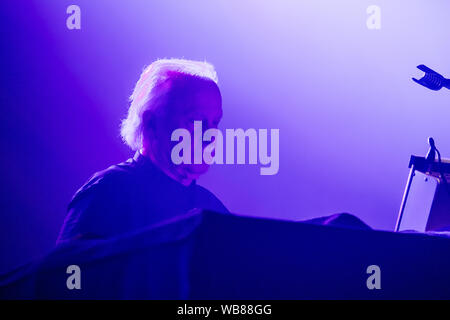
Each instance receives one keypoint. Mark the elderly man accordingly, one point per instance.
(150, 188)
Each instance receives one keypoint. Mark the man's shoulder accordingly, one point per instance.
(112, 178)
(96, 207)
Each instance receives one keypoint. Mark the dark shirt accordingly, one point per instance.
(130, 196)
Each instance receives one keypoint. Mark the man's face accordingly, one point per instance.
(194, 100)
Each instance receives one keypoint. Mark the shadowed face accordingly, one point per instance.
(189, 99)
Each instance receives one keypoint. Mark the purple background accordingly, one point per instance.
(341, 95)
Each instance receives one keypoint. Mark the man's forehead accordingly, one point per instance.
(199, 96)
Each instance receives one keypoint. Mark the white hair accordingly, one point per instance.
(145, 92)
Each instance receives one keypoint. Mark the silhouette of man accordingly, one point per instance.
(149, 188)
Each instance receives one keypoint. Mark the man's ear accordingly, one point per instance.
(148, 118)
(149, 123)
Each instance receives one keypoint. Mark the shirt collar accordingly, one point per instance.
(147, 164)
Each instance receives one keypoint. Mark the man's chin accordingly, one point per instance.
(195, 171)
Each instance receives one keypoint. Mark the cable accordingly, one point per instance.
(441, 173)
